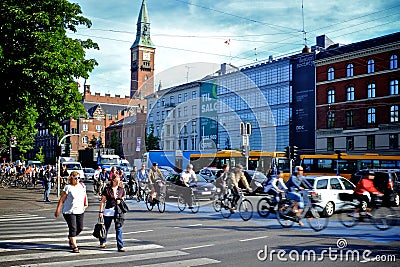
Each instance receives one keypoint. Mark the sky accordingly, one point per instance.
(191, 35)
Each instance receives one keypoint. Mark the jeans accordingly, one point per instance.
(118, 231)
(75, 224)
(296, 197)
(47, 188)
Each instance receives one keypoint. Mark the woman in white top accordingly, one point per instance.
(74, 202)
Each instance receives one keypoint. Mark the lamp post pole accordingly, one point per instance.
(58, 162)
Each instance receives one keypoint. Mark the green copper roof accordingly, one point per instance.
(143, 28)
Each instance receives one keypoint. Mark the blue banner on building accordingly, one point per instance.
(302, 130)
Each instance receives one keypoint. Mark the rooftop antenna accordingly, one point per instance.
(302, 15)
(187, 73)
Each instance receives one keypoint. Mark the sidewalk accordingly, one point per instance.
(14, 200)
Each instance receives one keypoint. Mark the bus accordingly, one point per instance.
(348, 164)
(258, 160)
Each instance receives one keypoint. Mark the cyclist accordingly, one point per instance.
(275, 185)
(295, 184)
(154, 176)
(141, 178)
(365, 187)
(103, 179)
(222, 176)
(186, 177)
(233, 184)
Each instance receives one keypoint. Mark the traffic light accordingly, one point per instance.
(294, 152)
(248, 128)
(287, 152)
(243, 151)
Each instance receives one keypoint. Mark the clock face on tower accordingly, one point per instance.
(146, 56)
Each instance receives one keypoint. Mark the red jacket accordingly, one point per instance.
(366, 185)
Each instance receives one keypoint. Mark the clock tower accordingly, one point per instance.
(142, 57)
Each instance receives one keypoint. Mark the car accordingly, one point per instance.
(88, 173)
(386, 181)
(328, 189)
(210, 174)
(203, 190)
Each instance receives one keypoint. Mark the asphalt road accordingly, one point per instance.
(31, 236)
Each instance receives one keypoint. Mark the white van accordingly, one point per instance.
(74, 166)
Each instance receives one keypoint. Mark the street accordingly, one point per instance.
(30, 235)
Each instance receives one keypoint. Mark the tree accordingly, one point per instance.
(152, 142)
(39, 65)
(115, 142)
(40, 156)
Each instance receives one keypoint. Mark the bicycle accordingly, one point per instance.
(286, 217)
(244, 206)
(182, 203)
(218, 200)
(266, 205)
(159, 200)
(382, 217)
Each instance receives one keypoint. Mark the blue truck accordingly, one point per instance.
(177, 160)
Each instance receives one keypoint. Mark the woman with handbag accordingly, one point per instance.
(110, 210)
(74, 202)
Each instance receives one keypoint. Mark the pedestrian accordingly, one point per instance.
(73, 202)
(111, 197)
(47, 179)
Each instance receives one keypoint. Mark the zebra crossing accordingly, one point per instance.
(33, 240)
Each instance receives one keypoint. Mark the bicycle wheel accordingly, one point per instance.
(284, 213)
(384, 218)
(245, 210)
(149, 205)
(264, 207)
(347, 216)
(226, 208)
(316, 221)
(195, 205)
(161, 203)
(217, 203)
(181, 203)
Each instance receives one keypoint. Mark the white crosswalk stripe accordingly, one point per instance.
(32, 240)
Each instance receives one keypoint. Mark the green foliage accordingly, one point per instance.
(40, 156)
(39, 66)
(152, 142)
(115, 143)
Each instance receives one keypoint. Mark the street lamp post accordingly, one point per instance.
(58, 162)
(245, 132)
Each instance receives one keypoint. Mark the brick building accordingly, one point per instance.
(357, 97)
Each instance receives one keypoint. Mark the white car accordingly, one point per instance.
(328, 188)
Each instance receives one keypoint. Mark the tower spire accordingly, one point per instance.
(143, 28)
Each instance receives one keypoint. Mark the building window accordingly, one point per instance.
(158, 116)
(194, 126)
(371, 116)
(371, 90)
(85, 140)
(179, 112)
(393, 141)
(99, 128)
(394, 87)
(349, 143)
(330, 144)
(180, 98)
(171, 100)
(331, 96)
(350, 70)
(85, 127)
(185, 111)
(331, 74)
(163, 102)
(158, 103)
(162, 115)
(394, 114)
(350, 93)
(350, 118)
(185, 97)
(194, 110)
(194, 95)
(371, 142)
(331, 120)
(393, 62)
(371, 66)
